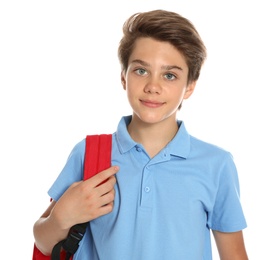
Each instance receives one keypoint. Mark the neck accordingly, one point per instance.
(153, 136)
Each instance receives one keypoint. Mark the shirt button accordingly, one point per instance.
(147, 189)
(138, 149)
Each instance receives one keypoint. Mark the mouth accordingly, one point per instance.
(151, 103)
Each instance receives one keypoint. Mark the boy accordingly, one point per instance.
(166, 189)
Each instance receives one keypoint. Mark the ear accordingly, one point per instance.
(190, 89)
(123, 80)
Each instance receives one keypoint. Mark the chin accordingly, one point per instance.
(150, 119)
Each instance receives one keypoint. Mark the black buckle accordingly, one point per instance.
(75, 235)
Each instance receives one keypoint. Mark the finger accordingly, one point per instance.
(104, 175)
(107, 198)
(105, 209)
(107, 186)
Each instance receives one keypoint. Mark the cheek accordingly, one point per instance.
(130, 93)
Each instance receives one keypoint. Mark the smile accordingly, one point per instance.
(151, 103)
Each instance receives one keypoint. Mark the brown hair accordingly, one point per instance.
(164, 26)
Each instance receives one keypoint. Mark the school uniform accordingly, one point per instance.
(164, 206)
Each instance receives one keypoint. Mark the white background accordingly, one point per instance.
(60, 80)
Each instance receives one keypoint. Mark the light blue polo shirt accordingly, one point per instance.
(165, 206)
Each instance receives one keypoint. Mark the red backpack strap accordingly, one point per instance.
(38, 255)
(97, 158)
(97, 154)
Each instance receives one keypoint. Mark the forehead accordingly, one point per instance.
(157, 52)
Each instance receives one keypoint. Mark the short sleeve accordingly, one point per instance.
(227, 214)
(71, 172)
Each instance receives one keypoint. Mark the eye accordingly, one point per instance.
(141, 71)
(170, 76)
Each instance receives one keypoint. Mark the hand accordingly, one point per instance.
(86, 200)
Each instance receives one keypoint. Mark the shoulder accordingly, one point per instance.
(194, 147)
(78, 149)
(71, 172)
(203, 145)
(214, 157)
(211, 154)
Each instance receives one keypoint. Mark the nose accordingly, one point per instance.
(153, 86)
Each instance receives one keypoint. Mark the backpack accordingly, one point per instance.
(97, 158)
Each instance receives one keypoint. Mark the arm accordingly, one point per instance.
(230, 245)
(81, 202)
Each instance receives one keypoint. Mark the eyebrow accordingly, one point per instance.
(165, 67)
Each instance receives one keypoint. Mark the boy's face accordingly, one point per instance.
(156, 80)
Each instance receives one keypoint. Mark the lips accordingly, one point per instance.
(152, 103)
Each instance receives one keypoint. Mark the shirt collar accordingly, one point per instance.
(124, 140)
(179, 145)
